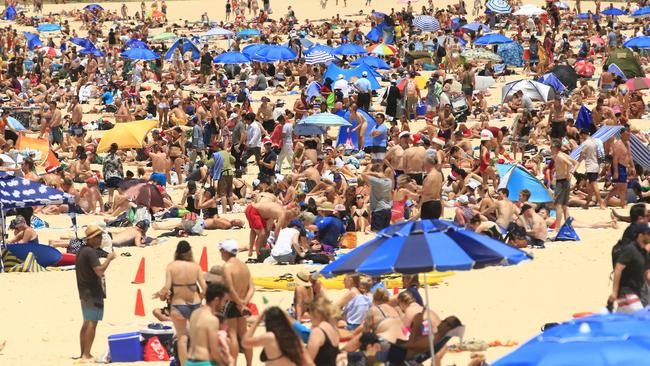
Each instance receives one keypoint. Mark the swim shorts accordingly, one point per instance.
(230, 310)
(431, 210)
(562, 189)
(92, 309)
(255, 220)
(622, 174)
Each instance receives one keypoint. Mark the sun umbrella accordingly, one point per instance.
(319, 47)
(93, 51)
(136, 43)
(567, 75)
(426, 23)
(252, 49)
(512, 54)
(126, 135)
(475, 26)
(584, 68)
(83, 42)
(248, 33)
(165, 36)
(641, 13)
(140, 54)
(48, 27)
(492, 38)
(324, 120)
(499, 6)
(318, 57)
(372, 61)
(273, 53)
(382, 49)
(638, 84)
(420, 81)
(308, 130)
(613, 11)
(304, 42)
(597, 40)
(145, 194)
(529, 10)
(50, 51)
(217, 31)
(93, 7)
(349, 49)
(480, 54)
(641, 42)
(232, 57)
(562, 5)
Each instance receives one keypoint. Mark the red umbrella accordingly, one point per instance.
(597, 40)
(145, 194)
(638, 84)
(584, 68)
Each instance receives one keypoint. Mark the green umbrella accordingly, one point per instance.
(165, 36)
(480, 54)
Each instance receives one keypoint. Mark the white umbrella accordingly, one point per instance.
(426, 23)
(499, 6)
(529, 10)
(217, 31)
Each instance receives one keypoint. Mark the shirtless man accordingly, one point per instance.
(556, 120)
(123, 113)
(361, 127)
(310, 175)
(238, 279)
(261, 216)
(177, 114)
(504, 209)
(413, 162)
(160, 163)
(430, 204)
(394, 155)
(536, 228)
(205, 347)
(622, 166)
(564, 168)
(134, 236)
(265, 114)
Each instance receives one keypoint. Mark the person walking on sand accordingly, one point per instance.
(630, 272)
(92, 288)
(238, 279)
(564, 167)
(208, 347)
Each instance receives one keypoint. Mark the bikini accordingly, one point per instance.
(186, 310)
(264, 357)
(327, 353)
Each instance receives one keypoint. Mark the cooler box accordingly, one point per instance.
(165, 336)
(125, 347)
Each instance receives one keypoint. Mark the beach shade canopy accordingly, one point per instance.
(145, 194)
(244, 33)
(136, 43)
(374, 34)
(426, 23)
(372, 61)
(45, 255)
(184, 45)
(48, 27)
(318, 57)
(349, 49)
(617, 71)
(20, 192)
(640, 151)
(638, 84)
(93, 7)
(334, 71)
(641, 42)
(318, 47)
(50, 51)
(625, 59)
(164, 36)
(533, 89)
(529, 10)
(10, 13)
(480, 54)
(273, 53)
(127, 135)
(499, 6)
(93, 51)
(551, 80)
(475, 26)
(33, 40)
(83, 42)
(217, 32)
(613, 11)
(598, 340)
(324, 120)
(584, 119)
(641, 13)
(492, 38)
(308, 130)
(28, 266)
(423, 246)
(346, 137)
(382, 49)
(231, 57)
(516, 177)
(140, 54)
(562, 5)
(512, 54)
(567, 75)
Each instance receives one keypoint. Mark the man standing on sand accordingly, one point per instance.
(261, 216)
(564, 167)
(631, 272)
(92, 287)
(381, 200)
(589, 154)
(413, 160)
(431, 206)
(622, 167)
(238, 280)
(207, 347)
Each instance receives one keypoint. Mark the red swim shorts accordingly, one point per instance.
(255, 220)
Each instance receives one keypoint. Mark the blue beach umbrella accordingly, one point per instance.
(372, 61)
(136, 43)
(140, 54)
(308, 130)
(83, 42)
(516, 178)
(475, 26)
(641, 13)
(93, 51)
(273, 53)
(252, 49)
(319, 47)
(232, 57)
(324, 120)
(33, 40)
(48, 27)
(349, 49)
(248, 33)
(492, 38)
(93, 7)
(641, 42)
(613, 11)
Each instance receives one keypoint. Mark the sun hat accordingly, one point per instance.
(326, 206)
(215, 274)
(307, 163)
(230, 246)
(302, 278)
(486, 135)
(91, 230)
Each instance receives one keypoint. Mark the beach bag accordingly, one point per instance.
(516, 236)
(349, 240)
(154, 350)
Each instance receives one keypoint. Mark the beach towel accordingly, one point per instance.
(29, 265)
(9, 260)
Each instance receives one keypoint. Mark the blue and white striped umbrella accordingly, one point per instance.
(325, 120)
(499, 6)
(423, 246)
(318, 57)
(426, 23)
(641, 13)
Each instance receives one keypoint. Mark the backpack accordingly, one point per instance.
(241, 96)
(617, 249)
(516, 236)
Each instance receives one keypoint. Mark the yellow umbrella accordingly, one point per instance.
(126, 135)
(421, 81)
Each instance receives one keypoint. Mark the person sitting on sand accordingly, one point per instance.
(308, 287)
(324, 339)
(23, 233)
(91, 200)
(355, 302)
(535, 225)
(134, 236)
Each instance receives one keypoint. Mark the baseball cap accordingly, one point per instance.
(229, 246)
(266, 140)
(364, 74)
(486, 135)
(463, 200)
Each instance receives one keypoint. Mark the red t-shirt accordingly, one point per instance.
(276, 135)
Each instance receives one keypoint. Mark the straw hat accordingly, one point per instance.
(302, 278)
(93, 231)
(326, 206)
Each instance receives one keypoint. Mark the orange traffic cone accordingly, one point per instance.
(139, 275)
(204, 260)
(139, 304)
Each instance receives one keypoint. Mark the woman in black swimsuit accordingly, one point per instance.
(323, 345)
(282, 347)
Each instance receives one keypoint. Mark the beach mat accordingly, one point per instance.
(287, 282)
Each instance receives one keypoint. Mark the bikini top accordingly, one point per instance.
(264, 357)
(327, 353)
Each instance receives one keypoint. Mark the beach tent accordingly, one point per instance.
(567, 75)
(584, 119)
(10, 13)
(334, 71)
(346, 137)
(533, 89)
(33, 40)
(372, 61)
(516, 177)
(624, 58)
(567, 232)
(187, 45)
(616, 71)
(512, 54)
(126, 135)
(640, 152)
(29, 265)
(551, 80)
(313, 90)
(374, 34)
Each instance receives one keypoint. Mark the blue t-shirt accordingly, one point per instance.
(107, 97)
(330, 229)
(381, 139)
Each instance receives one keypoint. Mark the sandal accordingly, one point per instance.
(125, 254)
(251, 261)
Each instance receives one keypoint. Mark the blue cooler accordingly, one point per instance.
(125, 347)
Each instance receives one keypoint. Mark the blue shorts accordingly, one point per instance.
(92, 309)
(622, 174)
(161, 178)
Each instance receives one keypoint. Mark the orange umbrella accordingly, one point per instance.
(41, 146)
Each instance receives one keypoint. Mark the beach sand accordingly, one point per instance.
(41, 315)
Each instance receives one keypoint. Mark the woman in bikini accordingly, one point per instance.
(360, 214)
(184, 284)
(323, 344)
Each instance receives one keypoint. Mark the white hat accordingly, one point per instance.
(364, 74)
(340, 76)
(404, 133)
(229, 246)
(307, 163)
(486, 135)
(463, 200)
(438, 141)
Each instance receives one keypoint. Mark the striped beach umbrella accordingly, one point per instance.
(499, 6)
(585, 68)
(382, 49)
(318, 57)
(426, 23)
(641, 13)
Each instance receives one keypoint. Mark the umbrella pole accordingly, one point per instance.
(2, 214)
(431, 348)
